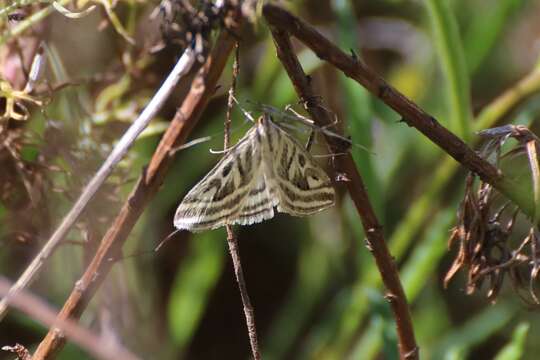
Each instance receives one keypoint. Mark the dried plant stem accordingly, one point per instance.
(230, 100)
(202, 88)
(232, 241)
(38, 310)
(411, 113)
(181, 68)
(248, 309)
(355, 185)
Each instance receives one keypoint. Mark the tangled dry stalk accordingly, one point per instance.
(473, 236)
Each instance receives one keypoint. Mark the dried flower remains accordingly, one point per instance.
(491, 244)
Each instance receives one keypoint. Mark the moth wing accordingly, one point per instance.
(302, 186)
(259, 204)
(219, 197)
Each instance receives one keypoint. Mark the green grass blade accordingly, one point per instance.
(451, 55)
(307, 289)
(424, 260)
(421, 266)
(516, 347)
(476, 330)
(485, 30)
(193, 285)
(357, 106)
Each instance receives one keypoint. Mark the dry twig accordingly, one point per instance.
(203, 87)
(355, 185)
(232, 241)
(411, 113)
(182, 67)
(35, 308)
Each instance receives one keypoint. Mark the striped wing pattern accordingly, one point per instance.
(266, 169)
(301, 185)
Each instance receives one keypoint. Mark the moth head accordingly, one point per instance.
(264, 122)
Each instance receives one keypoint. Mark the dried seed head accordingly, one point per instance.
(490, 246)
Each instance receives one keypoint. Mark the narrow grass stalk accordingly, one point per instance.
(485, 31)
(181, 68)
(356, 70)
(98, 346)
(202, 88)
(409, 227)
(395, 295)
(450, 49)
(515, 349)
(419, 267)
(232, 240)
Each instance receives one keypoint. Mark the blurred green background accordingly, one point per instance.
(314, 286)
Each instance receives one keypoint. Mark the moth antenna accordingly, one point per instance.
(194, 142)
(160, 245)
(309, 121)
(246, 113)
(189, 144)
(329, 155)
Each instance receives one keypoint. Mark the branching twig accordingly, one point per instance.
(355, 185)
(181, 68)
(202, 88)
(38, 310)
(232, 241)
(411, 114)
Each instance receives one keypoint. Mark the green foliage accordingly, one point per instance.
(515, 348)
(193, 285)
(318, 293)
(452, 59)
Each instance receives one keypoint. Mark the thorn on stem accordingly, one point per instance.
(354, 56)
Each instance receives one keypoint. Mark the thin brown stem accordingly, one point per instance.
(98, 346)
(182, 67)
(232, 241)
(411, 113)
(248, 309)
(355, 185)
(230, 101)
(202, 88)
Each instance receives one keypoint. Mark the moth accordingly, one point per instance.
(266, 169)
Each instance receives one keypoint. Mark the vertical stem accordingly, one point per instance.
(231, 237)
(202, 88)
(345, 164)
(248, 309)
(230, 102)
(181, 68)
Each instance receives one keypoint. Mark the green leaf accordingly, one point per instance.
(516, 347)
(451, 55)
(485, 30)
(194, 284)
(421, 266)
(282, 92)
(476, 330)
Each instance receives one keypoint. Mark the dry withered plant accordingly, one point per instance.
(483, 232)
(490, 243)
